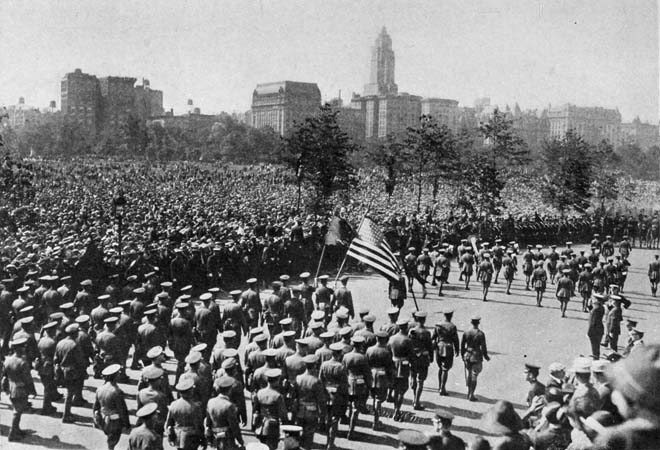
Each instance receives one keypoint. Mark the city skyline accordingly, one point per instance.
(598, 54)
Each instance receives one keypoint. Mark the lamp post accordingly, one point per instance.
(118, 205)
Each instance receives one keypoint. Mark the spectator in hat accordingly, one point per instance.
(635, 384)
(17, 384)
(501, 419)
(109, 412)
(585, 400)
(553, 431)
(535, 395)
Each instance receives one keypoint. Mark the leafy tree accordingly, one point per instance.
(570, 172)
(134, 136)
(318, 151)
(391, 157)
(431, 154)
(503, 145)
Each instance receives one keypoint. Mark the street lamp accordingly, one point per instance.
(118, 205)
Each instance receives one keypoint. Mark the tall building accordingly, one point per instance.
(593, 124)
(81, 99)
(282, 104)
(148, 102)
(381, 77)
(118, 99)
(637, 132)
(444, 111)
(20, 114)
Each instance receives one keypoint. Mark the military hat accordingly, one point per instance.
(223, 382)
(256, 330)
(582, 365)
(337, 347)
(345, 331)
(111, 319)
(413, 438)
(44, 278)
(182, 305)
(588, 265)
(49, 325)
(392, 311)
(486, 255)
(475, 318)
(26, 310)
(276, 284)
(369, 318)
(86, 283)
(166, 284)
(315, 325)
(616, 298)
(327, 335)
(291, 429)
(341, 314)
(599, 297)
(228, 334)
(288, 334)
(84, 318)
(286, 321)
(566, 271)
(304, 275)
(228, 363)
(303, 341)
(363, 311)
(139, 291)
(104, 297)
(631, 323)
(381, 334)
(273, 373)
(131, 278)
(318, 314)
(296, 288)
(186, 288)
(443, 414)
(251, 281)
(155, 352)
(199, 347)
(464, 241)
(359, 339)
(599, 366)
(184, 384)
(111, 370)
(269, 353)
(323, 278)
(532, 368)
(310, 359)
(26, 320)
(402, 322)
(260, 338)
(56, 316)
(420, 314)
(149, 275)
(152, 372)
(608, 237)
(529, 246)
(65, 306)
(206, 296)
(147, 410)
(72, 328)
(284, 277)
(116, 310)
(498, 240)
(447, 311)
(125, 303)
(18, 342)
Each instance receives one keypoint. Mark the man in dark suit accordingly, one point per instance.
(596, 328)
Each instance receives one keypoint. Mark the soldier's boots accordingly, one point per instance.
(418, 395)
(351, 426)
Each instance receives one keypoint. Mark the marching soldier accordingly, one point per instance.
(222, 428)
(467, 267)
(310, 401)
(293, 366)
(564, 290)
(207, 320)
(109, 412)
(154, 393)
(403, 352)
(144, 437)
(380, 360)
(46, 367)
(528, 265)
(334, 377)
(509, 270)
(473, 352)
(498, 253)
(108, 346)
(539, 281)
(181, 337)
(423, 349)
(552, 258)
(185, 419)
(323, 297)
(359, 380)
(274, 309)
(596, 328)
(614, 319)
(251, 303)
(445, 339)
(442, 263)
(17, 384)
(268, 410)
(423, 267)
(485, 274)
(343, 297)
(295, 310)
(69, 361)
(654, 274)
(585, 283)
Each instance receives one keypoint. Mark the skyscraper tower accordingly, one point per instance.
(381, 78)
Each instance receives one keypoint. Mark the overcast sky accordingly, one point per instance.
(534, 52)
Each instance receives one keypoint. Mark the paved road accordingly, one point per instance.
(516, 331)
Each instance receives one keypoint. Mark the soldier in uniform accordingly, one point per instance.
(155, 393)
(442, 263)
(251, 303)
(443, 439)
(180, 337)
(233, 317)
(498, 253)
(69, 361)
(445, 340)
(269, 410)
(614, 319)
(185, 419)
(485, 274)
(344, 298)
(423, 349)
(311, 402)
(323, 297)
(222, 428)
(596, 329)
(654, 274)
(306, 292)
(380, 360)
(403, 353)
(539, 281)
(359, 380)
(423, 267)
(144, 437)
(585, 284)
(46, 368)
(17, 384)
(207, 320)
(473, 352)
(295, 310)
(413, 440)
(324, 353)
(467, 267)
(148, 336)
(564, 289)
(334, 377)
(528, 265)
(109, 412)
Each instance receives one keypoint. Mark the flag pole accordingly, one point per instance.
(318, 268)
(343, 263)
(414, 299)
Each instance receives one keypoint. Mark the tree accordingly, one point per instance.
(391, 157)
(503, 145)
(570, 172)
(431, 154)
(134, 136)
(318, 152)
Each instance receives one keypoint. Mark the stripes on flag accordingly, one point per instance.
(370, 248)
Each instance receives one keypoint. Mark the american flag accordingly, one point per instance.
(371, 248)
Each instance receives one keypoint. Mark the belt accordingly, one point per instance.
(189, 428)
(218, 430)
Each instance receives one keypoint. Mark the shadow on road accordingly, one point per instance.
(42, 442)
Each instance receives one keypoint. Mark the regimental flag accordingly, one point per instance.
(371, 248)
(339, 232)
